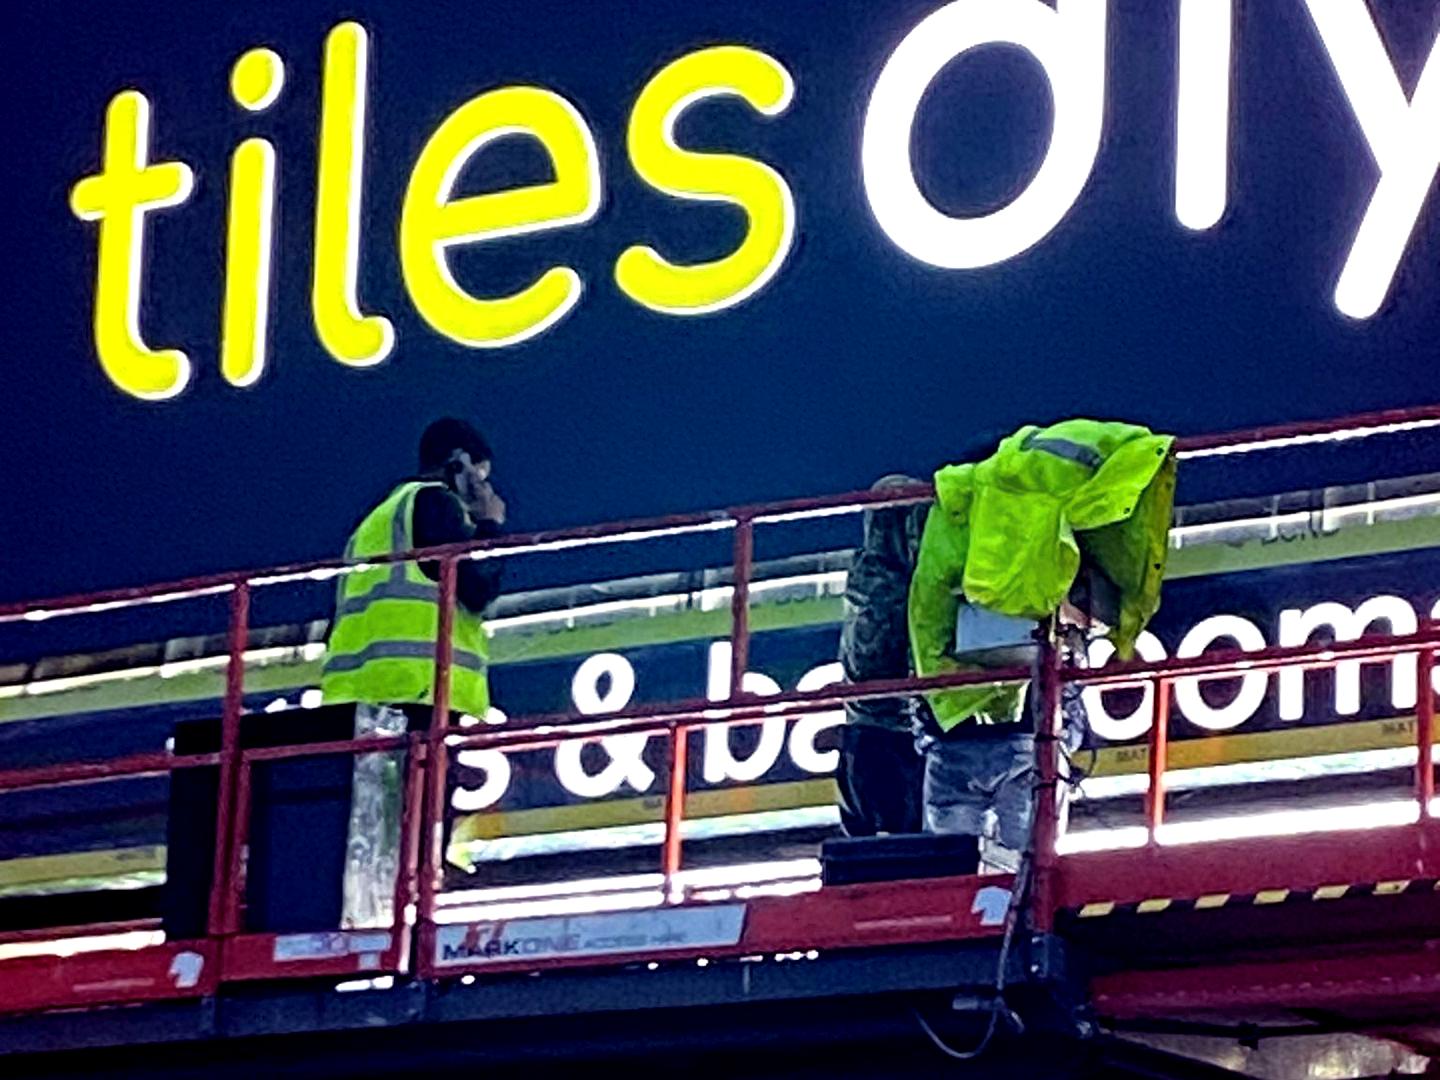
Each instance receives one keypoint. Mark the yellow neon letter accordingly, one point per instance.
(247, 262)
(118, 197)
(255, 83)
(257, 79)
(642, 272)
(350, 337)
(431, 221)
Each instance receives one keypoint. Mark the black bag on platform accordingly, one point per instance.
(897, 858)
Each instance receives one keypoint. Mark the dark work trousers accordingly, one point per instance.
(880, 777)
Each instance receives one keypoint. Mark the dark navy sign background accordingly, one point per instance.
(853, 361)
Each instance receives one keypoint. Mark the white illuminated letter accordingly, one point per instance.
(720, 763)
(1202, 114)
(1296, 626)
(496, 767)
(585, 686)
(1068, 41)
(1252, 685)
(1403, 136)
(807, 727)
(627, 761)
(494, 763)
(626, 766)
(1136, 723)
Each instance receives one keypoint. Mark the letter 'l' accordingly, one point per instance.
(349, 336)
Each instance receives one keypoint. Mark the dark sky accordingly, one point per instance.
(855, 361)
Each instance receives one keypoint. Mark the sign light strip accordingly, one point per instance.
(1287, 441)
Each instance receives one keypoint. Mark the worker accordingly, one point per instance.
(880, 771)
(381, 652)
(1000, 554)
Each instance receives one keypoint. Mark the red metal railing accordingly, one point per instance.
(240, 955)
(1373, 648)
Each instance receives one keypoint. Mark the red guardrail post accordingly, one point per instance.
(675, 810)
(411, 825)
(239, 848)
(1425, 730)
(432, 847)
(1047, 809)
(740, 604)
(1159, 759)
(228, 852)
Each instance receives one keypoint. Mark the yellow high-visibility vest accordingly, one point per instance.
(382, 642)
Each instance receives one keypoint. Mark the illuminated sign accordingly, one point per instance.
(625, 768)
(433, 219)
(1068, 42)
(781, 748)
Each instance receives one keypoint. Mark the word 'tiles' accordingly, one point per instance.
(1068, 41)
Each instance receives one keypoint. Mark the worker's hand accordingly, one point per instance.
(484, 503)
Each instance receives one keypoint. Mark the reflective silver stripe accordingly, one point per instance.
(401, 650)
(396, 586)
(396, 576)
(389, 589)
(1087, 456)
(398, 539)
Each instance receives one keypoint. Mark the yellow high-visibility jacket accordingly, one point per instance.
(1003, 534)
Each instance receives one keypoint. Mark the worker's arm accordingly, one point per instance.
(934, 603)
(440, 518)
(935, 597)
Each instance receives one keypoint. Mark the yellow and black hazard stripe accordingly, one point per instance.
(1260, 898)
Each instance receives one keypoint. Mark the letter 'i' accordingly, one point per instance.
(255, 83)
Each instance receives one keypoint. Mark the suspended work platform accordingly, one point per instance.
(1161, 949)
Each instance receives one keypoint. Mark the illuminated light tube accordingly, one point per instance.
(42, 614)
(622, 836)
(711, 599)
(1202, 113)
(749, 873)
(564, 544)
(129, 941)
(323, 574)
(75, 682)
(1075, 843)
(808, 515)
(1375, 815)
(1283, 442)
(570, 905)
(618, 883)
(782, 877)
(1259, 772)
(778, 888)
(737, 874)
(168, 670)
(380, 982)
